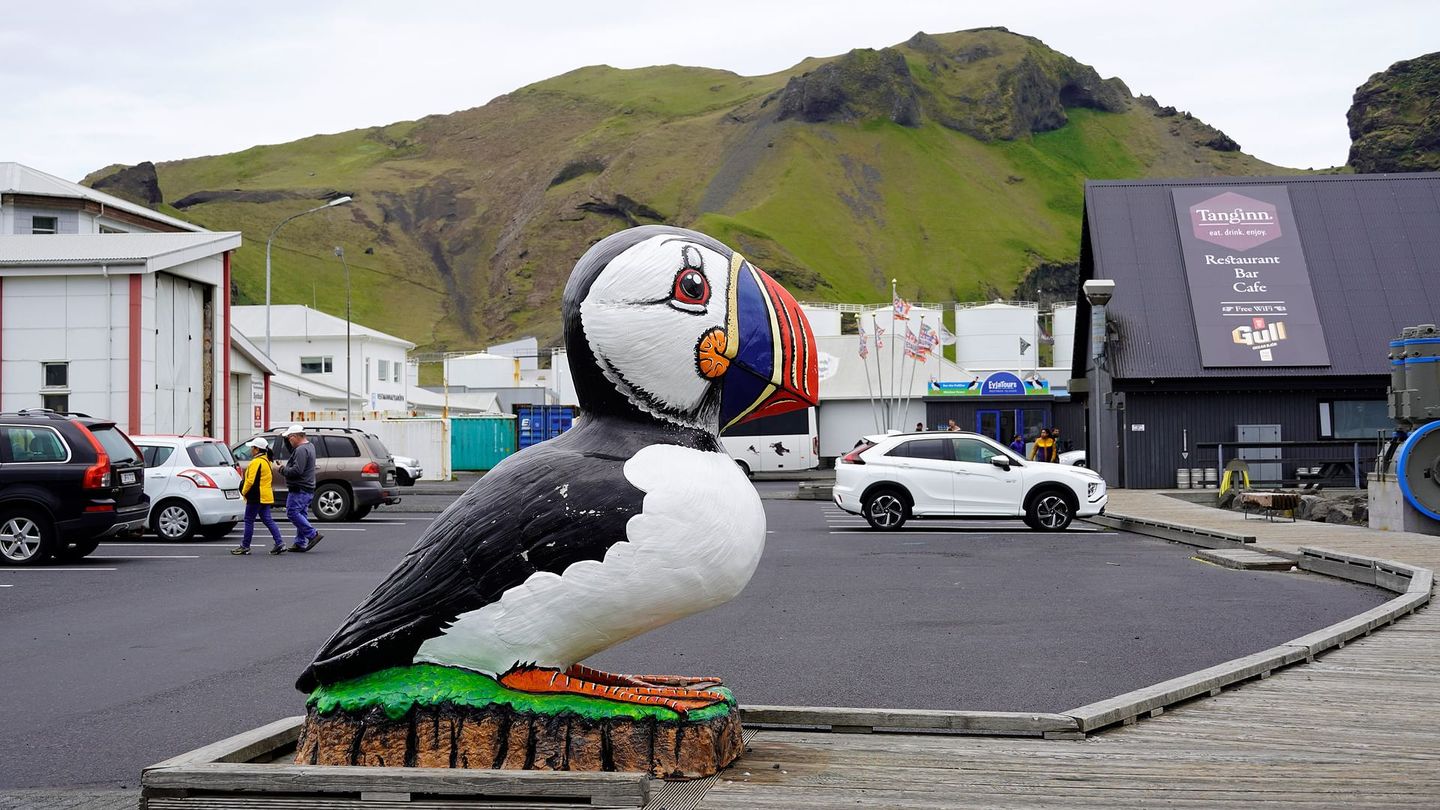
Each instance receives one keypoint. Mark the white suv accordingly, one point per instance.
(890, 479)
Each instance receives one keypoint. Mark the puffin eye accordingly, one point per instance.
(692, 290)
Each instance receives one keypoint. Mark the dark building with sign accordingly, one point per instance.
(1250, 310)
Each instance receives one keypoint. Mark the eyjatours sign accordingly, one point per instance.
(1249, 285)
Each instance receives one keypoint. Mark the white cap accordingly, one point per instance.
(258, 443)
(293, 429)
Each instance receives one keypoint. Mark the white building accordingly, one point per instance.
(309, 347)
(111, 309)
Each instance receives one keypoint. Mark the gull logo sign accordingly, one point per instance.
(1260, 336)
(1235, 221)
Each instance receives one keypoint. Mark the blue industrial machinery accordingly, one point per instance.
(1415, 407)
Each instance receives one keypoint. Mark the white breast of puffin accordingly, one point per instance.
(693, 546)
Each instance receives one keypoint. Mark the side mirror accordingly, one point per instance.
(1003, 462)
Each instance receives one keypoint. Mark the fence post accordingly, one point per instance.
(1355, 446)
(1219, 463)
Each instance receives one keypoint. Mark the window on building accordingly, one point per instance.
(60, 403)
(384, 370)
(1355, 419)
(395, 372)
(56, 375)
(108, 229)
(317, 365)
(44, 225)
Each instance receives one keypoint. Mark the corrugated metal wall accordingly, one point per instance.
(1151, 456)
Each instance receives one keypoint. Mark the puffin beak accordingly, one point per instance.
(770, 347)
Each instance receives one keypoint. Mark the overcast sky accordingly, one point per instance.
(94, 83)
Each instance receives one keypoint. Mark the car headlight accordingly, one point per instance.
(1092, 488)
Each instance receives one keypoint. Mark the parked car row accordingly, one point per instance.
(68, 481)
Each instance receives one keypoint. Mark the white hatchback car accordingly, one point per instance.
(890, 479)
(193, 486)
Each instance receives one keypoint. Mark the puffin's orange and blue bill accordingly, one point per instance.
(773, 367)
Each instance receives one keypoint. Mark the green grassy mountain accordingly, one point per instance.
(1395, 119)
(954, 163)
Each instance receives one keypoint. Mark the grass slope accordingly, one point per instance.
(465, 226)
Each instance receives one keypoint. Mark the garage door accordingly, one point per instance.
(179, 355)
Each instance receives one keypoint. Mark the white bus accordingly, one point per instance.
(787, 441)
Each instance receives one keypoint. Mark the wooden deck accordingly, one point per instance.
(1359, 727)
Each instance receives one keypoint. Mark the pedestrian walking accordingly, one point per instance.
(259, 492)
(1061, 445)
(919, 427)
(951, 426)
(1018, 445)
(300, 480)
(1044, 449)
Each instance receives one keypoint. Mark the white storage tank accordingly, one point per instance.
(1063, 326)
(483, 370)
(989, 335)
(824, 321)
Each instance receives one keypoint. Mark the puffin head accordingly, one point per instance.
(670, 323)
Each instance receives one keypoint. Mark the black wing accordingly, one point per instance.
(512, 523)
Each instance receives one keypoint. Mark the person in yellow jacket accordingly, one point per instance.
(1044, 449)
(259, 497)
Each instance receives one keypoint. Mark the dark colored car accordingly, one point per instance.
(66, 482)
(354, 472)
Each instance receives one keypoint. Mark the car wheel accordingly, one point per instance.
(78, 551)
(360, 512)
(174, 521)
(26, 538)
(332, 503)
(745, 468)
(885, 510)
(403, 478)
(1049, 511)
(218, 530)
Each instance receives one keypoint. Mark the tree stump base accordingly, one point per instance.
(448, 735)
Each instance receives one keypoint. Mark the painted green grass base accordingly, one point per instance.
(398, 690)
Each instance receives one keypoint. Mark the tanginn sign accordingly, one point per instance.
(1249, 286)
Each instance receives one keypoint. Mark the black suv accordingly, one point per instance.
(354, 471)
(66, 481)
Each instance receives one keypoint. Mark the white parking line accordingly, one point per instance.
(213, 544)
(145, 557)
(18, 570)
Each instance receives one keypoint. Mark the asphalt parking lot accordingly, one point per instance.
(149, 649)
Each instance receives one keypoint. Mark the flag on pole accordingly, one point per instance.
(928, 337)
(879, 330)
(901, 309)
(1024, 345)
(1046, 338)
(946, 339)
(864, 346)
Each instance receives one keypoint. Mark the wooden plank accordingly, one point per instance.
(1359, 625)
(242, 747)
(1244, 559)
(1002, 723)
(627, 789)
(1338, 564)
(1177, 532)
(1206, 681)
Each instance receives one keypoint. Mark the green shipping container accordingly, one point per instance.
(481, 442)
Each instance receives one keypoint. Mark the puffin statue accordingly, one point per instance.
(630, 520)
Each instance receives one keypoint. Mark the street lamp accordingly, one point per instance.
(341, 253)
(1098, 292)
(331, 204)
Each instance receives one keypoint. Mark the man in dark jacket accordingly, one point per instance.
(300, 481)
